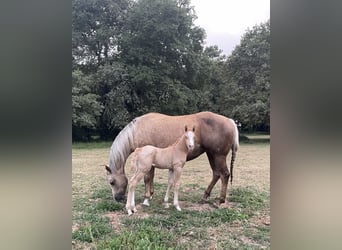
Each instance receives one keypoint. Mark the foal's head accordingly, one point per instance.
(190, 138)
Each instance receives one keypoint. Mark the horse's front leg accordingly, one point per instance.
(170, 183)
(149, 188)
(177, 174)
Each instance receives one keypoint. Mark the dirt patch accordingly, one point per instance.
(75, 227)
(208, 207)
(115, 218)
(201, 207)
(263, 218)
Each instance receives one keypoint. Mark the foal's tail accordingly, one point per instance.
(234, 148)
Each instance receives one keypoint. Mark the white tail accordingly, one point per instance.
(235, 147)
(236, 141)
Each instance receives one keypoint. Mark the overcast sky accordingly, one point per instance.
(225, 21)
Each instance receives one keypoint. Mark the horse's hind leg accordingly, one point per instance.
(170, 183)
(216, 176)
(221, 165)
(149, 188)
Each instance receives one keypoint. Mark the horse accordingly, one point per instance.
(215, 135)
(172, 158)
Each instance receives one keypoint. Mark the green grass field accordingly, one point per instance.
(242, 223)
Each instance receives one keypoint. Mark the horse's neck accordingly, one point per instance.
(118, 156)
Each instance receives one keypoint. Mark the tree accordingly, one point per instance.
(97, 26)
(85, 106)
(96, 29)
(246, 93)
(161, 47)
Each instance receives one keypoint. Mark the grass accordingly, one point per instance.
(101, 223)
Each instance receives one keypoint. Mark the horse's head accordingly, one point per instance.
(118, 183)
(190, 138)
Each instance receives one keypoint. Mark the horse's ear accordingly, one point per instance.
(193, 129)
(186, 128)
(108, 169)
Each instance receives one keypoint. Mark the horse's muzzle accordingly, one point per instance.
(119, 197)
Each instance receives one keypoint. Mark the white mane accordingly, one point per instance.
(122, 146)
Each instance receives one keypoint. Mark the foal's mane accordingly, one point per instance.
(122, 147)
(178, 140)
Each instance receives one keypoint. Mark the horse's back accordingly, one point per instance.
(217, 132)
(214, 132)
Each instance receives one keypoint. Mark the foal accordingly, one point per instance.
(172, 158)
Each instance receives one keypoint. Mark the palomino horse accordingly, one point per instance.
(215, 134)
(172, 158)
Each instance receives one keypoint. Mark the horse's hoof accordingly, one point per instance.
(129, 212)
(178, 208)
(203, 201)
(219, 201)
(135, 210)
(146, 202)
(167, 205)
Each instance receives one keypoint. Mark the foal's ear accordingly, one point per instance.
(186, 128)
(108, 169)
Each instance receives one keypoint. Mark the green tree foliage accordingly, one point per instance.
(86, 109)
(211, 77)
(161, 48)
(246, 93)
(96, 29)
(97, 26)
(136, 56)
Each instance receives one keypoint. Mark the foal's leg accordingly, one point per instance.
(216, 176)
(130, 204)
(177, 174)
(149, 189)
(170, 183)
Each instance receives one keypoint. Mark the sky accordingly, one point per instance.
(225, 21)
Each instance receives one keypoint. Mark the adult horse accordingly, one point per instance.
(215, 135)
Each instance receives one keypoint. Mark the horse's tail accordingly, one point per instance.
(234, 148)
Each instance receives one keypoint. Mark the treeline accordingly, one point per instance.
(133, 57)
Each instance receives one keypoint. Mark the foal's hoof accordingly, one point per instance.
(130, 212)
(178, 208)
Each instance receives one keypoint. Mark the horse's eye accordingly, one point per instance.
(112, 183)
